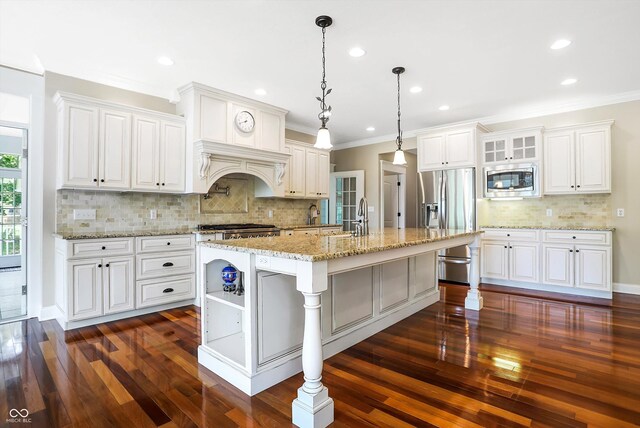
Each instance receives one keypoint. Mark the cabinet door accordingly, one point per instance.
(311, 173)
(557, 265)
(271, 132)
(593, 267)
(460, 150)
(297, 174)
(495, 256)
(523, 147)
(495, 150)
(523, 262)
(431, 152)
(115, 150)
(559, 163)
(323, 174)
(79, 146)
(85, 292)
(146, 154)
(593, 161)
(172, 157)
(118, 284)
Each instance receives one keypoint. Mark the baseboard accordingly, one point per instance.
(48, 313)
(619, 287)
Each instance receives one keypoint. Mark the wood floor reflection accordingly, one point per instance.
(521, 361)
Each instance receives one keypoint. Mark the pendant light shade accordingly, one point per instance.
(323, 140)
(398, 158)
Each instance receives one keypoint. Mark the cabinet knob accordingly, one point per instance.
(572, 186)
(157, 184)
(102, 180)
(577, 251)
(442, 163)
(505, 246)
(505, 158)
(511, 157)
(573, 237)
(578, 186)
(508, 234)
(163, 184)
(510, 247)
(100, 265)
(95, 180)
(571, 251)
(447, 163)
(168, 243)
(104, 248)
(107, 265)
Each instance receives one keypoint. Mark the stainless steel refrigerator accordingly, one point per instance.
(447, 200)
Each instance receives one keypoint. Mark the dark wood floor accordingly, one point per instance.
(522, 361)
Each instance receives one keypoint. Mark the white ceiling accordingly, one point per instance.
(482, 58)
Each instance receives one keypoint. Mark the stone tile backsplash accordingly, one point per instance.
(567, 210)
(128, 211)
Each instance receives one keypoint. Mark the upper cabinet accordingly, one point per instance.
(107, 146)
(448, 148)
(306, 172)
(578, 159)
(511, 146)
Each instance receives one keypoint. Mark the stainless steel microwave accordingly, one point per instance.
(512, 181)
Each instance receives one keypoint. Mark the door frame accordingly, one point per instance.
(401, 172)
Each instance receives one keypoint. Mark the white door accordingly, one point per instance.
(118, 284)
(346, 188)
(559, 163)
(593, 267)
(146, 154)
(391, 201)
(592, 161)
(311, 173)
(523, 261)
(459, 150)
(115, 150)
(86, 288)
(172, 157)
(557, 265)
(79, 146)
(495, 259)
(323, 174)
(431, 153)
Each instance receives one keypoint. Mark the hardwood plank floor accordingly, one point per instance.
(524, 360)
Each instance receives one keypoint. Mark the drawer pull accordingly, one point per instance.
(573, 237)
(168, 290)
(508, 234)
(168, 243)
(167, 264)
(104, 248)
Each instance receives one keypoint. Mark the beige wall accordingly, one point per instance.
(290, 134)
(568, 210)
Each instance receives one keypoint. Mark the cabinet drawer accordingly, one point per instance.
(577, 236)
(287, 232)
(163, 264)
(330, 230)
(101, 247)
(148, 244)
(511, 234)
(153, 292)
(313, 231)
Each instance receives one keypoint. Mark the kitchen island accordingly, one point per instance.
(309, 297)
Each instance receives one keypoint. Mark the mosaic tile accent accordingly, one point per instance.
(129, 211)
(568, 211)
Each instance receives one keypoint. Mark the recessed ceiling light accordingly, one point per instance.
(371, 129)
(357, 52)
(165, 60)
(260, 92)
(443, 108)
(569, 81)
(415, 89)
(560, 44)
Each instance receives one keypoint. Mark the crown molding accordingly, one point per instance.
(507, 117)
(301, 128)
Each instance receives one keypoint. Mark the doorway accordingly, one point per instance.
(346, 188)
(13, 235)
(392, 195)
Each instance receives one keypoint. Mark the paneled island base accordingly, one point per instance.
(308, 298)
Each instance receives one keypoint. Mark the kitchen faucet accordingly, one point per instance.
(311, 219)
(363, 213)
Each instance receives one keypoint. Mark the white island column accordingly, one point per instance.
(473, 300)
(313, 408)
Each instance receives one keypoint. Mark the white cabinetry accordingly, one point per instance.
(448, 148)
(99, 277)
(511, 146)
(578, 159)
(307, 172)
(569, 261)
(108, 146)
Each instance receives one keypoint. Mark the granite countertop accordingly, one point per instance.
(316, 248)
(592, 228)
(306, 226)
(121, 234)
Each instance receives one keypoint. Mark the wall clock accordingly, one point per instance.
(245, 121)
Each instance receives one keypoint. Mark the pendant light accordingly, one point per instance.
(323, 140)
(398, 157)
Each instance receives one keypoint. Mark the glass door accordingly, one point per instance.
(345, 191)
(13, 173)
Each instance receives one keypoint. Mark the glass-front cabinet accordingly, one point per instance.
(511, 146)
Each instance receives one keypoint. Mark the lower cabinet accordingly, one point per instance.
(576, 260)
(108, 281)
